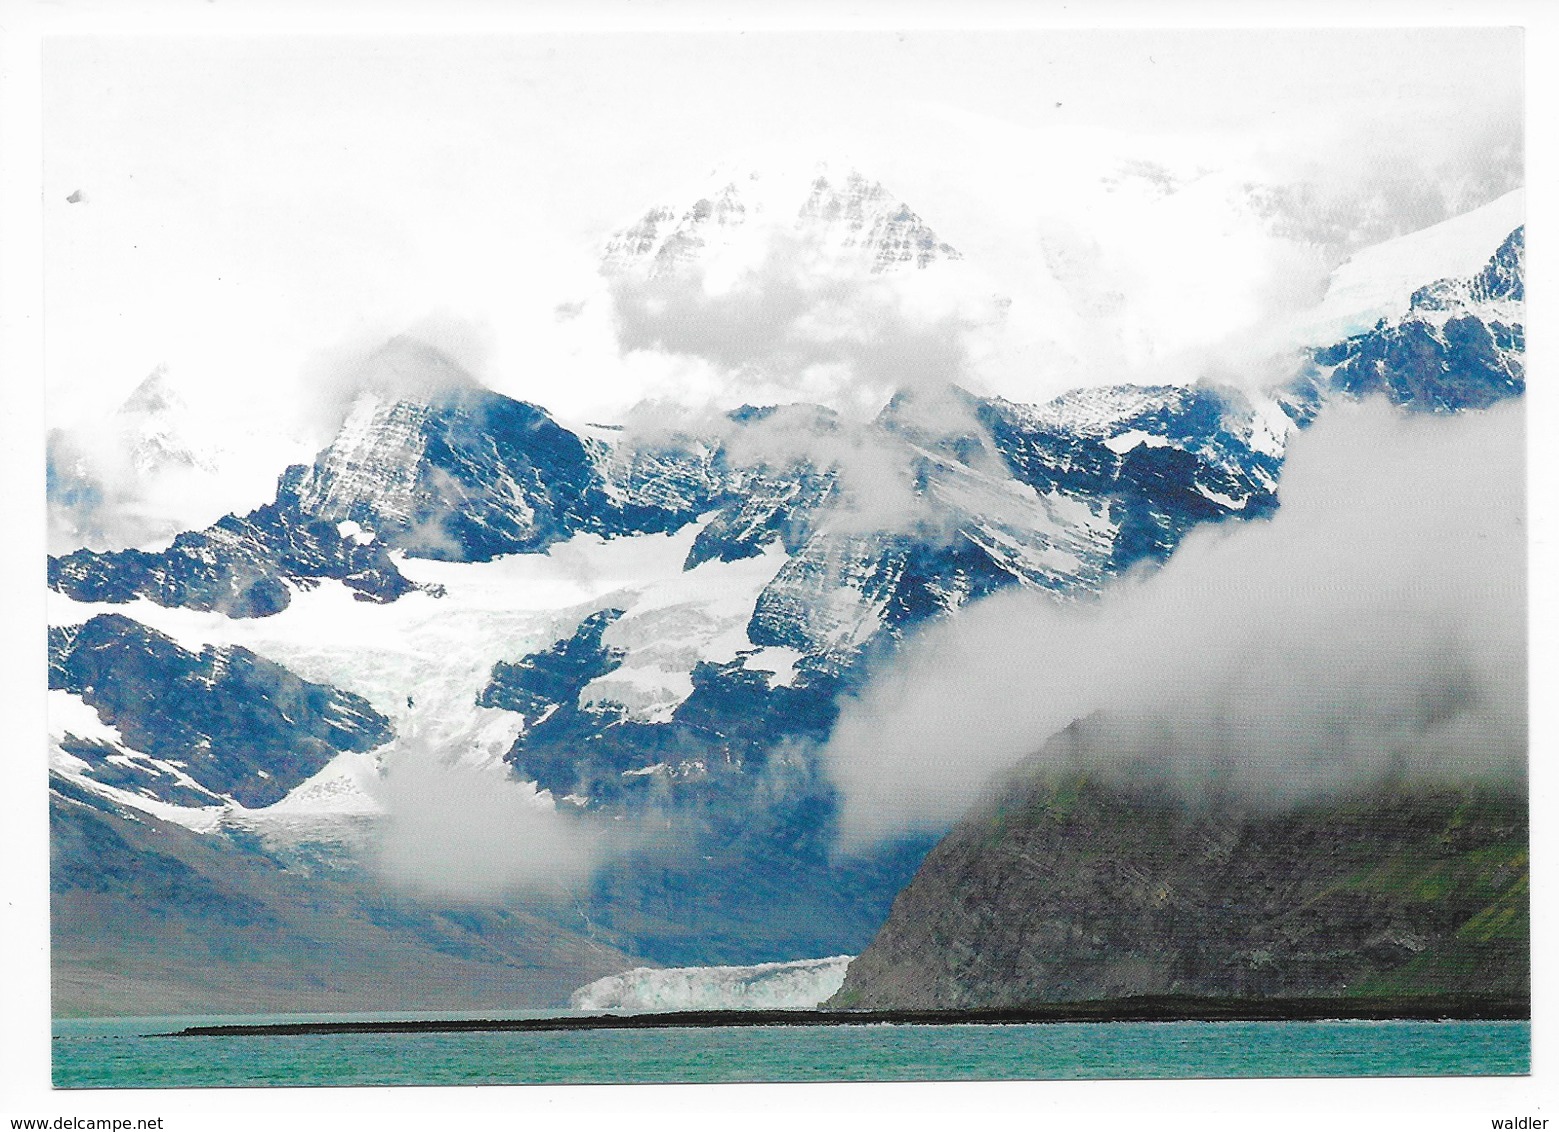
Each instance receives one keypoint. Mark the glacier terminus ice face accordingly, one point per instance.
(798, 985)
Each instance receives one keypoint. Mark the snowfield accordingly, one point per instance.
(1377, 282)
(423, 660)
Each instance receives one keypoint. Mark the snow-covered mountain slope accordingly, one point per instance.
(799, 984)
(783, 581)
(422, 661)
(446, 470)
(788, 557)
(666, 483)
(106, 471)
(156, 423)
(94, 756)
(632, 704)
(242, 566)
(163, 461)
(698, 616)
(1378, 282)
(440, 467)
(790, 285)
(1460, 344)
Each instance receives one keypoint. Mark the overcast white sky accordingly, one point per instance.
(252, 201)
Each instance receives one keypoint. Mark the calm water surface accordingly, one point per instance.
(122, 1053)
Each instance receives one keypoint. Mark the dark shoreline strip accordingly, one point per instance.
(1145, 1009)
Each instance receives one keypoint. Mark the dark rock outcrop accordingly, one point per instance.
(240, 566)
(1072, 888)
(224, 723)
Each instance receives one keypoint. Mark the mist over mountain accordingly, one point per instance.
(1062, 886)
(704, 684)
(1373, 625)
(144, 470)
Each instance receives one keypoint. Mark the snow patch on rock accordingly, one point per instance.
(1126, 441)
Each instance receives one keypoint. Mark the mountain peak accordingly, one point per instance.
(833, 210)
(154, 395)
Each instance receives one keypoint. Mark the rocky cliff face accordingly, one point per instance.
(1067, 888)
(457, 473)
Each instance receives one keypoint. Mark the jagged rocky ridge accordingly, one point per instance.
(447, 471)
(465, 474)
(1070, 886)
(1460, 345)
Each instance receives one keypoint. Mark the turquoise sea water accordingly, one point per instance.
(121, 1053)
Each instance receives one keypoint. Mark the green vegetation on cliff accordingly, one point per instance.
(1066, 888)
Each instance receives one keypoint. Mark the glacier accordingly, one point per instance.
(1377, 282)
(796, 985)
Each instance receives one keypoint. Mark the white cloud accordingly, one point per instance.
(1375, 624)
(472, 833)
(366, 201)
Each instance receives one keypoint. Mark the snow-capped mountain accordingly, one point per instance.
(442, 468)
(160, 462)
(1461, 343)
(839, 216)
(662, 623)
(100, 475)
(1378, 282)
(157, 424)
